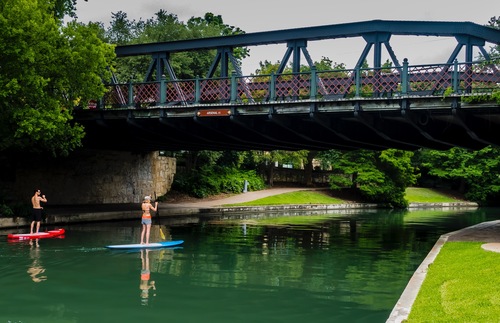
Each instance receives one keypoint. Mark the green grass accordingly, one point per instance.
(413, 195)
(427, 195)
(299, 197)
(461, 286)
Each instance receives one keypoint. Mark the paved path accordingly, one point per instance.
(240, 198)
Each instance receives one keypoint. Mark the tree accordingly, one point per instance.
(266, 161)
(494, 22)
(165, 27)
(474, 173)
(380, 177)
(45, 70)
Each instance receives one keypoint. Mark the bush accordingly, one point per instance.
(22, 210)
(216, 180)
(6, 211)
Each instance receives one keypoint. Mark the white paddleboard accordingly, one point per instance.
(164, 244)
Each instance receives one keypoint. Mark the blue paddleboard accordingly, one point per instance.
(164, 244)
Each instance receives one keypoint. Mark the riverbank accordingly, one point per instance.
(486, 232)
(60, 215)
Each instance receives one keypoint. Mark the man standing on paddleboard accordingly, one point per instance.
(37, 210)
(146, 218)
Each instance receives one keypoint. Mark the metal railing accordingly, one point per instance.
(386, 82)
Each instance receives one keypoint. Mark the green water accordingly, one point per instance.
(245, 268)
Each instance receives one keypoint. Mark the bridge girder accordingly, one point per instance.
(407, 124)
(375, 32)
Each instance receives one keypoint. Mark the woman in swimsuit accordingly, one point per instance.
(146, 218)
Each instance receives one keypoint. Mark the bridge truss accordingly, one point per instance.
(402, 106)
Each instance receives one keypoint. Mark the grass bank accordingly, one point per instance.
(413, 195)
(298, 197)
(428, 195)
(460, 286)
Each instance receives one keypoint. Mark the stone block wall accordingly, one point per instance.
(98, 177)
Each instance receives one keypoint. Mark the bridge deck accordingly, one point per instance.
(405, 123)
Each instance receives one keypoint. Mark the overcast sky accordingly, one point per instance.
(265, 15)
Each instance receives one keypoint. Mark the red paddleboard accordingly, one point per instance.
(39, 235)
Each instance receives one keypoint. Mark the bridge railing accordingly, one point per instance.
(385, 82)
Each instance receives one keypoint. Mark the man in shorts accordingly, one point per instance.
(37, 210)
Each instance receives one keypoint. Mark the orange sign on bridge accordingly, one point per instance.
(214, 113)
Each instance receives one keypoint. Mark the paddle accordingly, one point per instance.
(159, 223)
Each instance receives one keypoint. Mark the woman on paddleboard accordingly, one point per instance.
(146, 218)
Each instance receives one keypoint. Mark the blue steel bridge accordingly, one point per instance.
(403, 106)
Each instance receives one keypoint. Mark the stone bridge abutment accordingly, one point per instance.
(95, 177)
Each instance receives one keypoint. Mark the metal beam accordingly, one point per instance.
(347, 30)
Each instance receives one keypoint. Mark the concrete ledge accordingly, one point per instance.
(443, 205)
(403, 306)
(91, 217)
(304, 207)
(13, 222)
(130, 212)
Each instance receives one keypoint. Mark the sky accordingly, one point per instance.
(267, 15)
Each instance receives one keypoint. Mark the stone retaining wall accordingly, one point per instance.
(99, 177)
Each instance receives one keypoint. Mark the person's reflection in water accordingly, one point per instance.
(36, 270)
(145, 284)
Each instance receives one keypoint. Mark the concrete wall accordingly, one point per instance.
(97, 177)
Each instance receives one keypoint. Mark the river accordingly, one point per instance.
(348, 266)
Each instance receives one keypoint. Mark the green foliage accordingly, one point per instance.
(215, 180)
(6, 211)
(333, 69)
(494, 22)
(448, 92)
(260, 157)
(474, 172)
(61, 8)
(340, 181)
(380, 177)
(164, 27)
(46, 69)
(493, 97)
(22, 210)
(328, 158)
(9, 210)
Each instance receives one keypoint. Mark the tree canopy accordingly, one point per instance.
(163, 27)
(380, 177)
(474, 173)
(46, 68)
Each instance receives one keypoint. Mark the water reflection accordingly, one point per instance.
(36, 270)
(146, 283)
